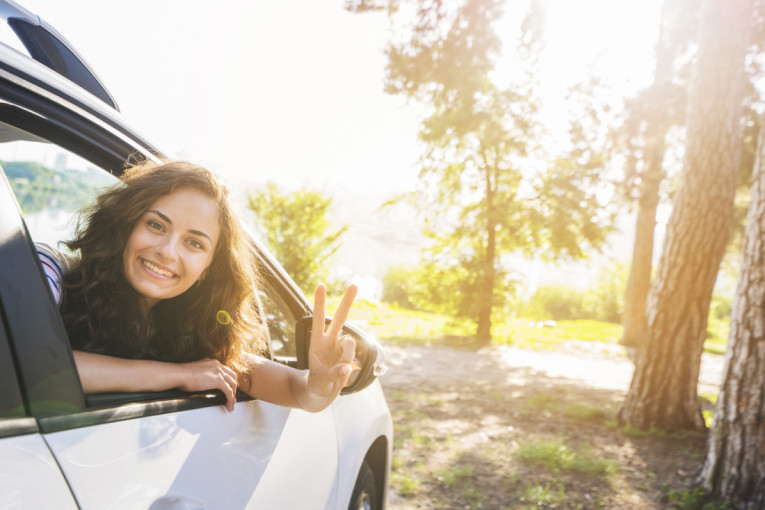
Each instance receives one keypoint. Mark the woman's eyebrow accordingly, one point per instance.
(168, 220)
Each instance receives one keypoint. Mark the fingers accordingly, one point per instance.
(209, 374)
(342, 311)
(348, 349)
(229, 387)
(318, 309)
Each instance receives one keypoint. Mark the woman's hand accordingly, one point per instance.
(330, 355)
(209, 374)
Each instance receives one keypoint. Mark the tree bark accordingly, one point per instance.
(639, 281)
(663, 391)
(734, 469)
(483, 333)
(658, 98)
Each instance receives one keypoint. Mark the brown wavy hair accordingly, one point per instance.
(215, 319)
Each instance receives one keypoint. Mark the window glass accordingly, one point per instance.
(281, 322)
(51, 185)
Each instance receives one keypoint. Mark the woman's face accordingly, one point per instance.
(171, 246)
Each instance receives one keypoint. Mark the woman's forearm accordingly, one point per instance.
(102, 374)
(282, 385)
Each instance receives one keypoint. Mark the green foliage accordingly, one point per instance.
(480, 196)
(297, 231)
(603, 302)
(718, 324)
(555, 302)
(445, 289)
(399, 286)
(38, 187)
(720, 307)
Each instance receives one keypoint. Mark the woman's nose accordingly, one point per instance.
(168, 249)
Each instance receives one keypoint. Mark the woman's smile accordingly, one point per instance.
(155, 269)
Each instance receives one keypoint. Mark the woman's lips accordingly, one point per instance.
(166, 273)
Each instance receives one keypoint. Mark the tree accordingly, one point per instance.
(297, 231)
(651, 115)
(663, 391)
(482, 193)
(735, 467)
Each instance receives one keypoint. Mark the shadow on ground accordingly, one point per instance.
(506, 428)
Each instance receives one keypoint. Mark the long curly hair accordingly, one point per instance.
(215, 319)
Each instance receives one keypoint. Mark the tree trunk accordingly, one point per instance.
(663, 391)
(642, 251)
(483, 333)
(658, 98)
(734, 469)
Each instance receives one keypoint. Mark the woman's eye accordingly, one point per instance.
(196, 244)
(154, 225)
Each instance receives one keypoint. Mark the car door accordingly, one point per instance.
(160, 451)
(29, 476)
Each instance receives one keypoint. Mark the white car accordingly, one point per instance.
(61, 140)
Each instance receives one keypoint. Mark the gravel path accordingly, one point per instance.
(593, 364)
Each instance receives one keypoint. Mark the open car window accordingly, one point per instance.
(50, 183)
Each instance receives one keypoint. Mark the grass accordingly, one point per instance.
(393, 324)
(717, 335)
(555, 402)
(555, 456)
(695, 499)
(525, 333)
(711, 400)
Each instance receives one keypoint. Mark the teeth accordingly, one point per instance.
(154, 268)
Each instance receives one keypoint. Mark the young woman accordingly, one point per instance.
(161, 296)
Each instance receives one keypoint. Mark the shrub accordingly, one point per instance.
(604, 301)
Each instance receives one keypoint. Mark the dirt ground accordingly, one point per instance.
(508, 428)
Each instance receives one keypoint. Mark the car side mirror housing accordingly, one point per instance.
(368, 363)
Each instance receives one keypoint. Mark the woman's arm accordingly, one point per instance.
(101, 374)
(330, 358)
(329, 361)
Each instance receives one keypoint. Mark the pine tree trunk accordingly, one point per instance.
(734, 469)
(639, 281)
(663, 391)
(658, 97)
(483, 333)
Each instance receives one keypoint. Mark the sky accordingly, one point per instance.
(263, 91)
(292, 91)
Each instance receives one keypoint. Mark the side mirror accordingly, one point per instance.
(368, 364)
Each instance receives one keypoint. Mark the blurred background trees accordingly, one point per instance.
(480, 194)
(296, 227)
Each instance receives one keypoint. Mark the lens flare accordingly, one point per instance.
(223, 317)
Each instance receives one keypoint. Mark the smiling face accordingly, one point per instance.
(171, 245)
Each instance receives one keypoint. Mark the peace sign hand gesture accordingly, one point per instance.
(330, 355)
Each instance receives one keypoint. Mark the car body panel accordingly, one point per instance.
(247, 458)
(30, 477)
(370, 408)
